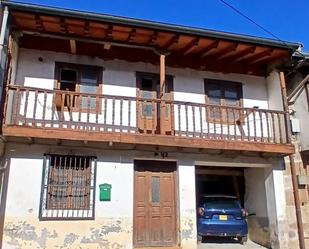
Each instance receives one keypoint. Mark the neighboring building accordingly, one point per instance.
(298, 99)
(114, 127)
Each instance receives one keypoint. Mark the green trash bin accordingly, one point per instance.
(105, 192)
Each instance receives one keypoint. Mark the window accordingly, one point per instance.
(223, 93)
(78, 79)
(68, 187)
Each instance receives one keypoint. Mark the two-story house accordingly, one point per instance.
(114, 127)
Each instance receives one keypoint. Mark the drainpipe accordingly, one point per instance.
(300, 226)
(3, 29)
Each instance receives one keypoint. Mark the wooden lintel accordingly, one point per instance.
(191, 46)
(210, 47)
(73, 46)
(255, 58)
(201, 171)
(171, 42)
(147, 139)
(131, 35)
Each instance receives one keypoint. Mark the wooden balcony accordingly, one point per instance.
(53, 114)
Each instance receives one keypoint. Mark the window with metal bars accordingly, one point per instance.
(68, 187)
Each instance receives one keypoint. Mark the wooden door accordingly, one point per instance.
(154, 204)
(154, 115)
(147, 107)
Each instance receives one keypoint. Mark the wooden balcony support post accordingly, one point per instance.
(162, 86)
(300, 226)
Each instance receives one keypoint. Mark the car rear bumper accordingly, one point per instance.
(207, 227)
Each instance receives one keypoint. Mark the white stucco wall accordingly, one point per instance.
(119, 80)
(301, 113)
(113, 224)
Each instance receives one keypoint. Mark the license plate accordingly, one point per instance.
(222, 217)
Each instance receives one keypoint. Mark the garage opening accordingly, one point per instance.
(247, 187)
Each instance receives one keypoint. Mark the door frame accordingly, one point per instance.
(176, 196)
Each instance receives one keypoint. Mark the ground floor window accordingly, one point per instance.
(68, 187)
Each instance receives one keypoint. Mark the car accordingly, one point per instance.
(221, 215)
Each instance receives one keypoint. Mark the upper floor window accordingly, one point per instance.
(85, 81)
(68, 187)
(226, 94)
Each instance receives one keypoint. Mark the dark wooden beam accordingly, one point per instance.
(132, 35)
(171, 42)
(229, 49)
(147, 139)
(109, 32)
(153, 38)
(259, 56)
(87, 29)
(63, 26)
(242, 54)
(38, 23)
(190, 46)
(208, 48)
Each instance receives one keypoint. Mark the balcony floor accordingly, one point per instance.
(58, 134)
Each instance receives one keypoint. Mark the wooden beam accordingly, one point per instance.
(191, 46)
(87, 29)
(38, 23)
(171, 42)
(229, 49)
(132, 35)
(147, 139)
(73, 46)
(162, 73)
(63, 26)
(153, 38)
(109, 32)
(208, 48)
(255, 58)
(242, 54)
(225, 172)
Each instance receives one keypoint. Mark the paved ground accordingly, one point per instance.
(226, 244)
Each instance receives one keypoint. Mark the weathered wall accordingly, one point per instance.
(113, 224)
(256, 206)
(301, 168)
(112, 227)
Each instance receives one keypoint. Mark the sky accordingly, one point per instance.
(286, 19)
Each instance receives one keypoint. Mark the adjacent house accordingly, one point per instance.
(114, 127)
(298, 100)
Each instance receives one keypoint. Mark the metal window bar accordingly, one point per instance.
(68, 187)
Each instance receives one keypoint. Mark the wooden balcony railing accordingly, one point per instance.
(55, 109)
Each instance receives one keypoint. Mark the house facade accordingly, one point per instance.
(113, 128)
(297, 86)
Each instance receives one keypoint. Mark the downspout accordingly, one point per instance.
(3, 29)
(300, 227)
